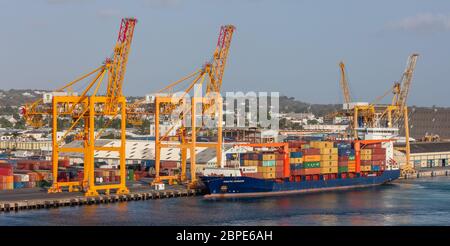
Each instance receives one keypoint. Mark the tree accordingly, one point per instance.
(313, 122)
(20, 124)
(5, 123)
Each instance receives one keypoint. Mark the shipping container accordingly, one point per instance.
(326, 170)
(311, 158)
(310, 151)
(314, 164)
(328, 163)
(328, 157)
(342, 169)
(310, 171)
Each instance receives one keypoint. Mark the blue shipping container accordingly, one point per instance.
(296, 154)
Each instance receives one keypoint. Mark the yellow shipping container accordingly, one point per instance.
(292, 160)
(321, 144)
(366, 168)
(266, 169)
(329, 151)
(352, 169)
(327, 170)
(329, 157)
(268, 157)
(311, 158)
(328, 163)
(366, 157)
(366, 152)
(351, 163)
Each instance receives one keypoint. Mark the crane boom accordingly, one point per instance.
(119, 63)
(401, 89)
(220, 58)
(344, 84)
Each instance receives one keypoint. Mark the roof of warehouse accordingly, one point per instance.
(135, 149)
(429, 147)
(208, 154)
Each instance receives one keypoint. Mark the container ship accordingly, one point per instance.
(299, 167)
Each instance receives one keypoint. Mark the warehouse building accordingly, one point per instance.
(428, 121)
(137, 152)
(428, 155)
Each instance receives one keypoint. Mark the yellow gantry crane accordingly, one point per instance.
(83, 110)
(376, 115)
(190, 118)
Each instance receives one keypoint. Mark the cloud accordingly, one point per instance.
(422, 23)
(108, 13)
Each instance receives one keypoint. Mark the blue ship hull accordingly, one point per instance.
(248, 187)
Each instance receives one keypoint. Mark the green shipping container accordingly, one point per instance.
(351, 157)
(342, 169)
(270, 163)
(312, 164)
(130, 175)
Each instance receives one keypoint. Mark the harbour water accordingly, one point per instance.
(406, 202)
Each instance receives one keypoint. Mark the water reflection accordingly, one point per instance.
(411, 202)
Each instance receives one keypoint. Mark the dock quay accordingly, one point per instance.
(30, 199)
(434, 172)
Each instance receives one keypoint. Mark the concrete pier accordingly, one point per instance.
(429, 173)
(39, 199)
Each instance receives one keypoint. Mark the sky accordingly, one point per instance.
(289, 46)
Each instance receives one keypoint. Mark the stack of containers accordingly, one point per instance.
(346, 157)
(250, 159)
(378, 157)
(366, 160)
(21, 180)
(296, 161)
(107, 176)
(232, 160)
(311, 161)
(279, 165)
(268, 166)
(31, 178)
(328, 156)
(37, 164)
(6, 176)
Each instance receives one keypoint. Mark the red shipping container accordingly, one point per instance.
(279, 163)
(169, 164)
(6, 171)
(343, 158)
(378, 163)
(296, 144)
(379, 157)
(366, 162)
(378, 151)
(309, 171)
(279, 156)
(63, 163)
(311, 151)
(342, 163)
(374, 146)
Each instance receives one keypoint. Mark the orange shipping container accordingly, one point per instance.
(311, 158)
(329, 157)
(310, 171)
